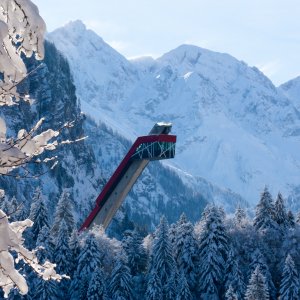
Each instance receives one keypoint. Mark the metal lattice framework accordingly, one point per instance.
(155, 150)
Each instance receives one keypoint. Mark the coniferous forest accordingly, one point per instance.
(219, 257)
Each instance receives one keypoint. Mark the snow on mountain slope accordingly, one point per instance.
(292, 90)
(235, 129)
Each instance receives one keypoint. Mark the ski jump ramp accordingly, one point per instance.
(157, 145)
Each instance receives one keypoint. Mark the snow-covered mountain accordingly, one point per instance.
(292, 90)
(235, 129)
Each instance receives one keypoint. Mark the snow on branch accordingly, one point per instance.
(20, 151)
(11, 240)
(21, 32)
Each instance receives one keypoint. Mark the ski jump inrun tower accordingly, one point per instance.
(155, 146)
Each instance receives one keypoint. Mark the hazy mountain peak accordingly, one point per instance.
(293, 83)
(76, 25)
(193, 55)
(292, 90)
(75, 32)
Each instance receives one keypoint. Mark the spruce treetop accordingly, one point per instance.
(257, 287)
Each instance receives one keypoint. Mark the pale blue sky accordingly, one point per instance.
(264, 33)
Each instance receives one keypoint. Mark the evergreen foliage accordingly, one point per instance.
(62, 253)
(213, 248)
(22, 212)
(291, 246)
(280, 212)
(7, 207)
(170, 289)
(259, 261)
(97, 286)
(183, 291)
(135, 252)
(257, 287)
(154, 287)
(186, 249)
(233, 276)
(230, 294)
(239, 216)
(37, 197)
(39, 216)
(289, 287)
(88, 261)
(120, 287)
(182, 261)
(46, 290)
(74, 247)
(42, 243)
(291, 219)
(265, 211)
(298, 218)
(162, 261)
(64, 211)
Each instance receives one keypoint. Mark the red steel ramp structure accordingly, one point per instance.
(157, 145)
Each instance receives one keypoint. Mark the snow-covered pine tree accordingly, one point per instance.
(42, 243)
(154, 287)
(22, 212)
(137, 260)
(233, 276)
(183, 291)
(97, 286)
(291, 245)
(62, 257)
(171, 287)
(36, 198)
(6, 206)
(39, 215)
(230, 294)
(10, 207)
(280, 212)
(239, 216)
(257, 287)
(213, 248)
(289, 287)
(264, 216)
(298, 218)
(173, 228)
(62, 253)
(74, 246)
(135, 252)
(15, 205)
(120, 287)
(64, 211)
(107, 247)
(291, 219)
(88, 261)
(172, 233)
(162, 261)
(259, 261)
(186, 249)
(46, 290)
